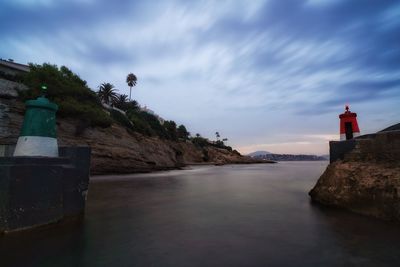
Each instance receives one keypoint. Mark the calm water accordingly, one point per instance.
(237, 215)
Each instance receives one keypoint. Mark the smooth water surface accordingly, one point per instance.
(234, 215)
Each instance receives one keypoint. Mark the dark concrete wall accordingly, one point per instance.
(338, 149)
(76, 179)
(7, 150)
(38, 190)
(30, 192)
(382, 146)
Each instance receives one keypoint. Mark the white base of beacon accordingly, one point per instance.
(36, 146)
(343, 136)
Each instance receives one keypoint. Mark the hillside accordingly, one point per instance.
(122, 141)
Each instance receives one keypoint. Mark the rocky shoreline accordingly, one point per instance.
(117, 150)
(366, 180)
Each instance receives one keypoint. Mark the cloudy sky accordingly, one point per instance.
(268, 75)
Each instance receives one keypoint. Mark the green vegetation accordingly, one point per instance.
(200, 141)
(154, 124)
(77, 100)
(221, 144)
(170, 127)
(140, 124)
(182, 132)
(121, 101)
(121, 119)
(68, 90)
(107, 93)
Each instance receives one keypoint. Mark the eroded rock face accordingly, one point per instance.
(11, 116)
(367, 180)
(114, 149)
(10, 89)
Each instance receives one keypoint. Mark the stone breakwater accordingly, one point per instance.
(366, 178)
(117, 150)
(23, 181)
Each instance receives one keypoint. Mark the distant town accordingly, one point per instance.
(265, 155)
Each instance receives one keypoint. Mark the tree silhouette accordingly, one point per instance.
(217, 135)
(121, 101)
(170, 126)
(107, 93)
(182, 132)
(131, 80)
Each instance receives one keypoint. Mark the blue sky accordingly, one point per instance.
(268, 75)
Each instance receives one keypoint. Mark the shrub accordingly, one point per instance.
(121, 119)
(170, 128)
(200, 141)
(221, 144)
(182, 132)
(139, 124)
(154, 124)
(68, 90)
(128, 105)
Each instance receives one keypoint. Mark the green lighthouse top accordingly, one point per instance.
(40, 117)
(42, 101)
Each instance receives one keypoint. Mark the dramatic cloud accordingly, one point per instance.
(270, 75)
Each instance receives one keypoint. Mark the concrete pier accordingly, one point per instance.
(36, 191)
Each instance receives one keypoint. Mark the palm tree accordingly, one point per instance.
(107, 93)
(121, 101)
(217, 135)
(131, 80)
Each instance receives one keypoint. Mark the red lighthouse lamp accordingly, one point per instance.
(348, 125)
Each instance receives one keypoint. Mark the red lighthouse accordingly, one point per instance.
(348, 125)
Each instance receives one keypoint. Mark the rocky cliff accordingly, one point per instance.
(116, 149)
(367, 178)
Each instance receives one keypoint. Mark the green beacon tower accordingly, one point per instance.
(38, 133)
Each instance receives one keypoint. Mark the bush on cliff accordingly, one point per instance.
(221, 144)
(182, 132)
(154, 123)
(121, 119)
(148, 124)
(68, 90)
(124, 104)
(170, 128)
(140, 125)
(200, 141)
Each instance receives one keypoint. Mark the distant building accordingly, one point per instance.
(9, 67)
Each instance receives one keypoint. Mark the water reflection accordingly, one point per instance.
(238, 215)
(365, 241)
